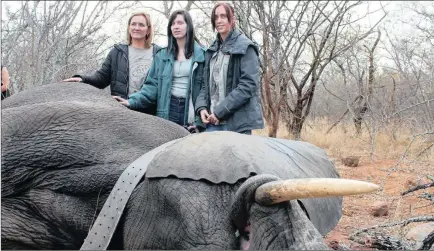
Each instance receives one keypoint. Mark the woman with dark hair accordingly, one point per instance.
(126, 65)
(175, 76)
(229, 99)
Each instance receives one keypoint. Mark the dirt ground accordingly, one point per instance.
(356, 209)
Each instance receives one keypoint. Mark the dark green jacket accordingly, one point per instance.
(158, 84)
(241, 108)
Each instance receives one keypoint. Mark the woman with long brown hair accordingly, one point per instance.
(229, 99)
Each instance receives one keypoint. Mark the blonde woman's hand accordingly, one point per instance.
(122, 101)
(76, 79)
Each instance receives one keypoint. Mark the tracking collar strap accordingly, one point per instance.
(102, 231)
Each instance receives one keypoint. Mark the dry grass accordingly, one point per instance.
(390, 142)
(389, 145)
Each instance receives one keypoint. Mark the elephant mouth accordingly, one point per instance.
(245, 237)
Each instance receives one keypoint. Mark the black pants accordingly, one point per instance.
(177, 110)
(5, 94)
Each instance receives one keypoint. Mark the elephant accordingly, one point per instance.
(64, 147)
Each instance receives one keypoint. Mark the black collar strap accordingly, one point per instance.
(104, 227)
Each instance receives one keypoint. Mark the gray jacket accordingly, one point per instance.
(241, 108)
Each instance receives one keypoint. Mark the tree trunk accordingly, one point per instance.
(274, 125)
(294, 128)
(363, 108)
(358, 124)
(393, 109)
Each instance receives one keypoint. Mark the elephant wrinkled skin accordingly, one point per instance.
(65, 145)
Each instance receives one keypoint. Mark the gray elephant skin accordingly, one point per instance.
(65, 145)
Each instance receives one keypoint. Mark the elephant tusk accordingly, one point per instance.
(277, 191)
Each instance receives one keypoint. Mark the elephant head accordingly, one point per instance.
(236, 201)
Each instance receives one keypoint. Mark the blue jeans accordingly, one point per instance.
(177, 110)
(213, 128)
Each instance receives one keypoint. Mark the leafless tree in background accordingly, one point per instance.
(202, 10)
(44, 42)
(413, 68)
(353, 68)
(299, 40)
(401, 94)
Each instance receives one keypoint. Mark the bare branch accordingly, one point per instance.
(404, 223)
(419, 187)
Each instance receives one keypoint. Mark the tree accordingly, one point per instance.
(201, 10)
(44, 42)
(356, 69)
(413, 59)
(298, 41)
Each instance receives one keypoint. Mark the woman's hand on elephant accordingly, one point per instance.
(122, 101)
(76, 79)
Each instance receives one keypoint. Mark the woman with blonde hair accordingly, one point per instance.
(126, 66)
